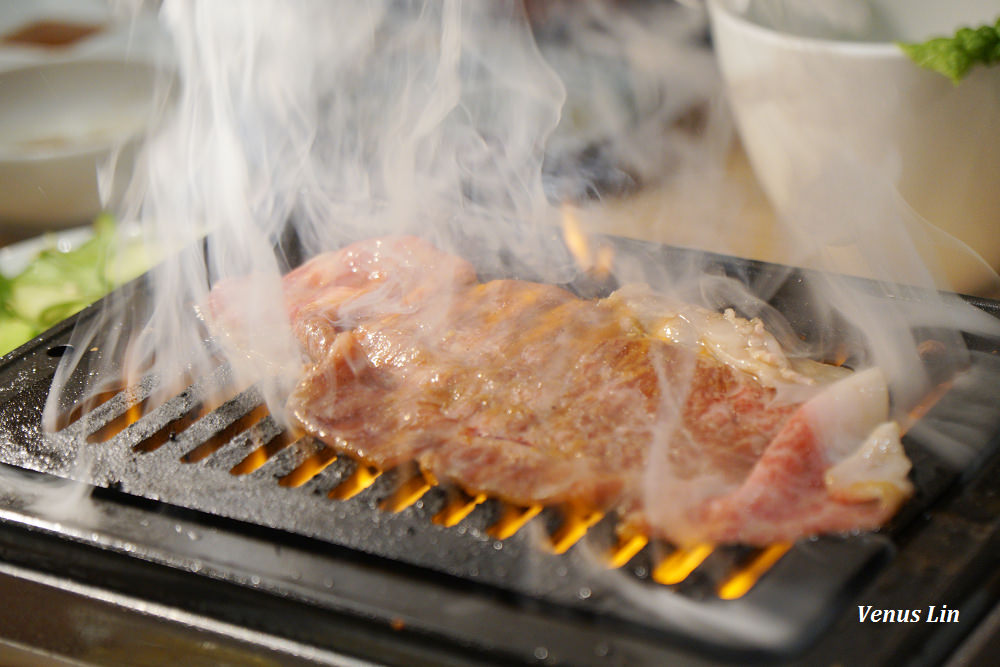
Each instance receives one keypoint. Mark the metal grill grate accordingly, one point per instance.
(211, 460)
(212, 423)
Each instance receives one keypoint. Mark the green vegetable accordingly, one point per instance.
(57, 284)
(955, 56)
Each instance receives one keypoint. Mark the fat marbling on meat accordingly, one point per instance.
(528, 393)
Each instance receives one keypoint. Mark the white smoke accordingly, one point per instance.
(331, 121)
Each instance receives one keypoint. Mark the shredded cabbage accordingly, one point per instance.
(58, 284)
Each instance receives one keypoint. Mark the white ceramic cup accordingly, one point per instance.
(830, 90)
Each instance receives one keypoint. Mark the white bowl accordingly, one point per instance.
(58, 122)
(815, 103)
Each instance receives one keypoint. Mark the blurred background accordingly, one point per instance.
(646, 146)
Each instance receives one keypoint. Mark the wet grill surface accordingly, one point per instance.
(210, 453)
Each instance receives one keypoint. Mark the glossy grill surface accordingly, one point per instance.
(266, 512)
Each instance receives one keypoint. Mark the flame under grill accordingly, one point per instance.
(210, 459)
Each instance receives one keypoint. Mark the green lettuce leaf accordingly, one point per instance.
(955, 56)
(57, 284)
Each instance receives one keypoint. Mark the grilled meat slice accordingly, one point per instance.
(525, 392)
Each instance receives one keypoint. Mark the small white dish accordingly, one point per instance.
(827, 105)
(16, 257)
(58, 122)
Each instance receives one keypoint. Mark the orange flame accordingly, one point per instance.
(596, 262)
